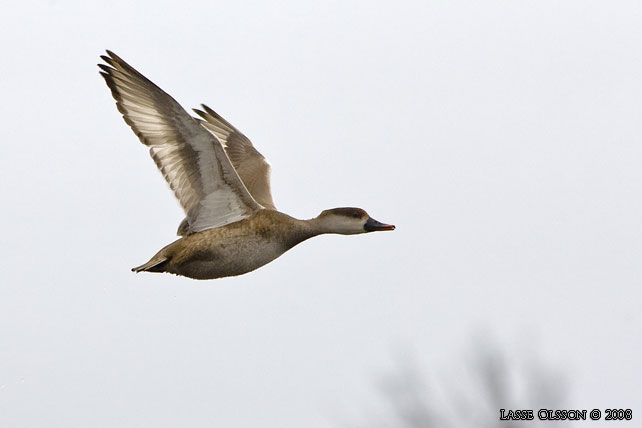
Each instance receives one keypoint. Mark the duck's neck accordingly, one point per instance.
(319, 226)
(291, 231)
(307, 229)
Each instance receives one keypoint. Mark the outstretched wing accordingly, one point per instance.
(191, 159)
(251, 166)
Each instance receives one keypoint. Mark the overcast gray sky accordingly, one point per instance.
(503, 138)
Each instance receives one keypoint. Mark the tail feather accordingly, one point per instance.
(154, 265)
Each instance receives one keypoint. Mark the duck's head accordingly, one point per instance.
(349, 221)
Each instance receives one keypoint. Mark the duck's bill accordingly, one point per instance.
(373, 225)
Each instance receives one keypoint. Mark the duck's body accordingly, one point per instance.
(223, 183)
(234, 249)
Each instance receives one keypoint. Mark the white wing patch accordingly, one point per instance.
(222, 202)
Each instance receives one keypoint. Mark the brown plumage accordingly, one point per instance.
(222, 182)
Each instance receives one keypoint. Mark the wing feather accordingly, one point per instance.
(191, 159)
(249, 163)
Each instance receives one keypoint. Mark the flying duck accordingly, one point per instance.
(222, 182)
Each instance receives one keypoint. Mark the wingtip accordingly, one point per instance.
(117, 62)
(205, 111)
(108, 60)
(199, 112)
(209, 111)
(112, 55)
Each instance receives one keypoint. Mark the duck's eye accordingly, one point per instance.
(356, 215)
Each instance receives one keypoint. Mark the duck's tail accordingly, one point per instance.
(156, 264)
